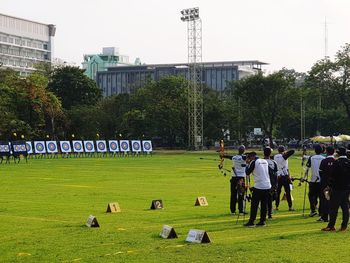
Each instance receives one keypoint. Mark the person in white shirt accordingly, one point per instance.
(315, 182)
(283, 175)
(237, 181)
(261, 190)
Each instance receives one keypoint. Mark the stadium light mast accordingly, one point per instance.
(195, 90)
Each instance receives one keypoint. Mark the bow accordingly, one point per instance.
(222, 158)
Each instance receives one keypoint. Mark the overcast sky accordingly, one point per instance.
(283, 33)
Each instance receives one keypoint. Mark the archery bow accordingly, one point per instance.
(222, 158)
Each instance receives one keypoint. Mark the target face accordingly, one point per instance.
(52, 146)
(17, 148)
(147, 146)
(89, 146)
(65, 146)
(101, 146)
(4, 148)
(113, 146)
(39, 147)
(29, 147)
(78, 146)
(136, 146)
(124, 145)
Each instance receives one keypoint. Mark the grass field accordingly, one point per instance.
(44, 206)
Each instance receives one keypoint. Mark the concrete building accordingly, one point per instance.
(109, 57)
(216, 75)
(23, 43)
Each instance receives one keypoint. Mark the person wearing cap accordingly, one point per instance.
(325, 174)
(273, 180)
(237, 182)
(283, 175)
(314, 162)
(260, 170)
(340, 185)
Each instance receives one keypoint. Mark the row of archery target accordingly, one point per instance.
(76, 146)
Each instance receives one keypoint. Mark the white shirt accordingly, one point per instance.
(314, 162)
(239, 166)
(282, 165)
(261, 174)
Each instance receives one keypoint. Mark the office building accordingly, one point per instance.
(110, 57)
(216, 75)
(23, 43)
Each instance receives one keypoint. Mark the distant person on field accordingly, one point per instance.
(283, 175)
(325, 174)
(315, 181)
(340, 185)
(237, 182)
(261, 190)
(273, 180)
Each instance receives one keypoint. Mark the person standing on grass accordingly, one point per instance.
(325, 174)
(273, 180)
(237, 181)
(315, 182)
(261, 190)
(340, 185)
(283, 175)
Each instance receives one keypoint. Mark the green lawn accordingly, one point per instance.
(44, 206)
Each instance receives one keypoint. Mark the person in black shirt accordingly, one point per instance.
(340, 185)
(273, 180)
(325, 174)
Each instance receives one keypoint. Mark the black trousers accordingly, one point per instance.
(314, 196)
(339, 198)
(271, 197)
(285, 182)
(259, 196)
(237, 195)
(324, 204)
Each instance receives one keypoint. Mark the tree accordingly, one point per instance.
(332, 78)
(263, 98)
(73, 87)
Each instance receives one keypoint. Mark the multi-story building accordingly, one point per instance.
(110, 57)
(23, 43)
(216, 75)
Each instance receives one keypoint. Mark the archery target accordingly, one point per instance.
(29, 147)
(113, 146)
(136, 146)
(124, 146)
(19, 147)
(147, 146)
(65, 147)
(101, 146)
(51, 146)
(39, 147)
(4, 147)
(89, 146)
(78, 146)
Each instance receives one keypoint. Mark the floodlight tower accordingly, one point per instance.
(195, 90)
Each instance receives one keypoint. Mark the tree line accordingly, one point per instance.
(63, 103)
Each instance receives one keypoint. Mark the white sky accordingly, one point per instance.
(284, 33)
